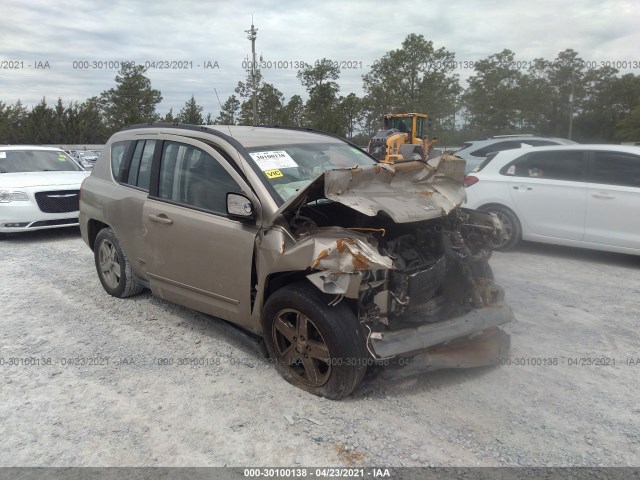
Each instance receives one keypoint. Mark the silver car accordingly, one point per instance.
(338, 262)
(475, 152)
(39, 188)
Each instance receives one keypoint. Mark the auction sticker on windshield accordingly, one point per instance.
(273, 160)
(273, 173)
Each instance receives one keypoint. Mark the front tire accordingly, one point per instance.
(317, 348)
(113, 267)
(511, 225)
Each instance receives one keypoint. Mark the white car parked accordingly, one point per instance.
(39, 188)
(578, 195)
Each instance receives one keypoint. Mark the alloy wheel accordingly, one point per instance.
(508, 228)
(109, 262)
(301, 347)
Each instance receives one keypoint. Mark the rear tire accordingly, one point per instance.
(113, 267)
(511, 225)
(317, 348)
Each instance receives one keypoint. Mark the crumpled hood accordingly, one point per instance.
(406, 192)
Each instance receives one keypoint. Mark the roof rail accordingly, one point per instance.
(515, 135)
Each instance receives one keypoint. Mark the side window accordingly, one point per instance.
(496, 147)
(553, 165)
(118, 151)
(420, 122)
(192, 177)
(140, 169)
(616, 168)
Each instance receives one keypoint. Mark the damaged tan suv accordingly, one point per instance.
(338, 262)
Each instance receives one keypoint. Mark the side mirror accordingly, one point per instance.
(239, 206)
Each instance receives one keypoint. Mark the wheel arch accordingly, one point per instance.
(278, 280)
(93, 228)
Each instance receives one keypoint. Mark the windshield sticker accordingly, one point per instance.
(3, 154)
(273, 160)
(273, 173)
(62, 158)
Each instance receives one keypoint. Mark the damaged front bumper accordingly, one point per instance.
(487, 348)
(407, 259)
(408, 341)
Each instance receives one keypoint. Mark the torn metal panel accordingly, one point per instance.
(418, 191)
(345, 255)
(347, 284)
(406, 194)
(448, 166)
(332, 248)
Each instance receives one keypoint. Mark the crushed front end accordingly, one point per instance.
(395, 243)
(441, 290)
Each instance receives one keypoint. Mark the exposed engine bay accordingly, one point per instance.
(394, 244)
(439, 267)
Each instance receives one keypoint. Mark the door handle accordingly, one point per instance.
(162, 218)
(522, 187)
(602, 196)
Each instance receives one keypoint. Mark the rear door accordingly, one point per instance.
(198, 256)
(613, 200)
(131, 162)
(549, 192)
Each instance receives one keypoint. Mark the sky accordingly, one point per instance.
(71, 48)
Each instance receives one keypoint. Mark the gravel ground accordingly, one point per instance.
(107, 399)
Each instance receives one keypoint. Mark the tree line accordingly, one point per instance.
(560, 97)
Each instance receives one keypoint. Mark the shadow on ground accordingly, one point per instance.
(584, 254)
(40, 236)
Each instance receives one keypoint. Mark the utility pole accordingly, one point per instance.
(252, 34)
(571, 110)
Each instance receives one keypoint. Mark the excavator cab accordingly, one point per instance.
(413, 123)
(404, 138)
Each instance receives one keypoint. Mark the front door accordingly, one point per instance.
(199, 256)
(613, 200)
(549, 193)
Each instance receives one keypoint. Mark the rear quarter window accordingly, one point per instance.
(118, 152)
(139, 174)
(486, 161)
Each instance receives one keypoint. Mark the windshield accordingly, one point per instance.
(289, 168)
(401, 123)
(15, 161)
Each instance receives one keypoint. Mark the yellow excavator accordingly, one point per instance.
(403, 139)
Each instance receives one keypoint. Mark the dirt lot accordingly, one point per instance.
(90, 380)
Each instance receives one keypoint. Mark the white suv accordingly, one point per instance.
(580, 195)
